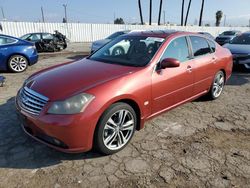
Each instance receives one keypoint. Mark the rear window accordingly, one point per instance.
(228, 33)
(5, 40)
(200, 46)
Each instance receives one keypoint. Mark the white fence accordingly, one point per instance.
(81, 32)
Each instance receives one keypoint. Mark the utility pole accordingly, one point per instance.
(164, 17)
(65, 12)
(150, 12)
(159, 18)
(225, 20)
(42, 15)
(3, 13)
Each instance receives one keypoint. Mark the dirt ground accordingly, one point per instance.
(200, 144)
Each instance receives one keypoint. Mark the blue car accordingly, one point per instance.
(16, 54)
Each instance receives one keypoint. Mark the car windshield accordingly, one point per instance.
(115, 35)
(129, 50)
(228, 33)
(242, 39)
(25, 36)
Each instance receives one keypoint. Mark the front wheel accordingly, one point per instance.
(217, 86)
(115, 128)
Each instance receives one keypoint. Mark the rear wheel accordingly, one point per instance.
(115, 128)
(118, 51)
(17, 63)
(217, 86)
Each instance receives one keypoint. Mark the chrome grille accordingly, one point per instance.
(31, 101)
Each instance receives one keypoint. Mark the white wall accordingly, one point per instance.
(81, 32)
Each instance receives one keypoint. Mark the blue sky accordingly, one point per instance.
(102, 11)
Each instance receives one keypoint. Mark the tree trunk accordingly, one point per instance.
(182, 12)
(201, 14)
(150, 13)
(190, 1)
(159, 18)
(140, 10)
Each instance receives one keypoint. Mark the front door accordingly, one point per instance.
(174, 85)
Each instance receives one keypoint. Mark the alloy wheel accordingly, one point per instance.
(118, 129)
(18, 63)
(218, 85)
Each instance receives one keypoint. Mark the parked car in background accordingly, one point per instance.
(99, 43)
(47, 42)
(226, 36)
(16, 54)
(210, 36)
(240, 48)
(100, 101)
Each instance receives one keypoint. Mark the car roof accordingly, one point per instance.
(37, 33)
(2, 35)
(157, 33)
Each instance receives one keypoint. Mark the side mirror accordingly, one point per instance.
(169, 62)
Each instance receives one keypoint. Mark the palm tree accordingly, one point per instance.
(219, 15)
(159, 18)
(201, 14)
(150, 12)
(182, 12)
(190, 1)
(140, 10)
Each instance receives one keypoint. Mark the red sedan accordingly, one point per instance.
(101, 100)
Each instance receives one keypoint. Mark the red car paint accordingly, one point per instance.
(151, 91)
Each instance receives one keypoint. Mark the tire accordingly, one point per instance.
(111, 135)
(118, 51)
(17, 63)
(217, 86)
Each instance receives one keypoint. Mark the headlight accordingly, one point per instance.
(72, 105)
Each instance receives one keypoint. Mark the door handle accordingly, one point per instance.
(189, 68)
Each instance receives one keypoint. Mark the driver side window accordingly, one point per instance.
(177, 49)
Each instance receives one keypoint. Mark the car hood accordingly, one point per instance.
(238, 48)
(63, 81)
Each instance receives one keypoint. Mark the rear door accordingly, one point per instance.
(172, 86)
(205, 61)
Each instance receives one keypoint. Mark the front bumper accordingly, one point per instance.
(66, 133)
(241, 59)
(33, 59)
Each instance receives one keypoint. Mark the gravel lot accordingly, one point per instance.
(200, 144)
